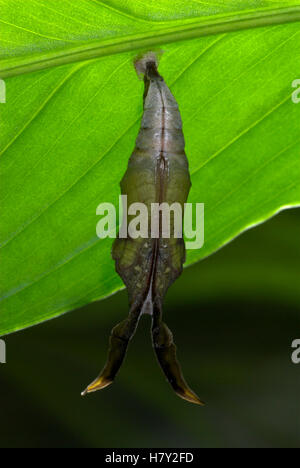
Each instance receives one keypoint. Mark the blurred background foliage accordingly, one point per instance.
(234, 317)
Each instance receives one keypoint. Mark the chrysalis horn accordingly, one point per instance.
(165, 351)
(119, 339)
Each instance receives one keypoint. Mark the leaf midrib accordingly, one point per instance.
(187, 29)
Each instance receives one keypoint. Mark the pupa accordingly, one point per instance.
(157, 173)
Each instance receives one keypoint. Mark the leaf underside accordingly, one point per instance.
(67, 133)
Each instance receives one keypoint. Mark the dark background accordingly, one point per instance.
(234, 317)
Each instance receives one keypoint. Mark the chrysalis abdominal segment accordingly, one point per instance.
(157, 172)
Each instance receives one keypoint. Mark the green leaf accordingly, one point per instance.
(53, 44)
(67, 132)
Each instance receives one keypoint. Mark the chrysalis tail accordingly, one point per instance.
(165, 351)
(120, 336)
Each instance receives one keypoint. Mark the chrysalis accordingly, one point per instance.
(157, 172)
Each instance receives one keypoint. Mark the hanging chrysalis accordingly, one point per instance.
(157, 172)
